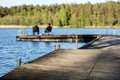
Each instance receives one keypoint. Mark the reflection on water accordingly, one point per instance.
(10, 49)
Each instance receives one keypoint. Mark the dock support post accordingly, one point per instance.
(54, 47)
(58, 46)
(18, 61)
(76, 41)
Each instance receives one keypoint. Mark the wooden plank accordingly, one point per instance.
(68, 38)
(58, 65)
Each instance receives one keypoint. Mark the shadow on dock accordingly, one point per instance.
(106, 43)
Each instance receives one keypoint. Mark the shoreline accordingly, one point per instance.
(44, 26)
(13, 26)
(23, 26)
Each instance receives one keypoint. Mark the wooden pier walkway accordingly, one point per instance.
(99, 61)
(57, 38)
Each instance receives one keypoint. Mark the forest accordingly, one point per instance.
(99, 15)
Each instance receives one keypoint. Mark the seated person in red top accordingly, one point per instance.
(48, 29)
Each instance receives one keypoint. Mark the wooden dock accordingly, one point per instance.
(57, 38)
(98, 61)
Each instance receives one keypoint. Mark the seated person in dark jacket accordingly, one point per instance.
(35, 29)
(48, 29)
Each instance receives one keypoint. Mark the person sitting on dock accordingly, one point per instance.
(48, 29)
(35, 29)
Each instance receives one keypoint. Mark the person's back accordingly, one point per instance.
(35, 29)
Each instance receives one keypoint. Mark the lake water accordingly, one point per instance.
(11, 49)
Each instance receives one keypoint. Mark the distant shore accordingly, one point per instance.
(44, 26)
(22, 26)
(13, 26)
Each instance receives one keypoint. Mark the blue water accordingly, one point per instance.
(11, 49)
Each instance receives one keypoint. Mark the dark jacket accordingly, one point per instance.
(36, 29)
(48, 29)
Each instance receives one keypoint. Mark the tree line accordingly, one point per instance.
(61, 15)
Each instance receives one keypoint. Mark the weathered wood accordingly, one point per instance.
(58, 65)
(67, 38)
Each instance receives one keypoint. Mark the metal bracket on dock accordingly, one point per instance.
(18, 61)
